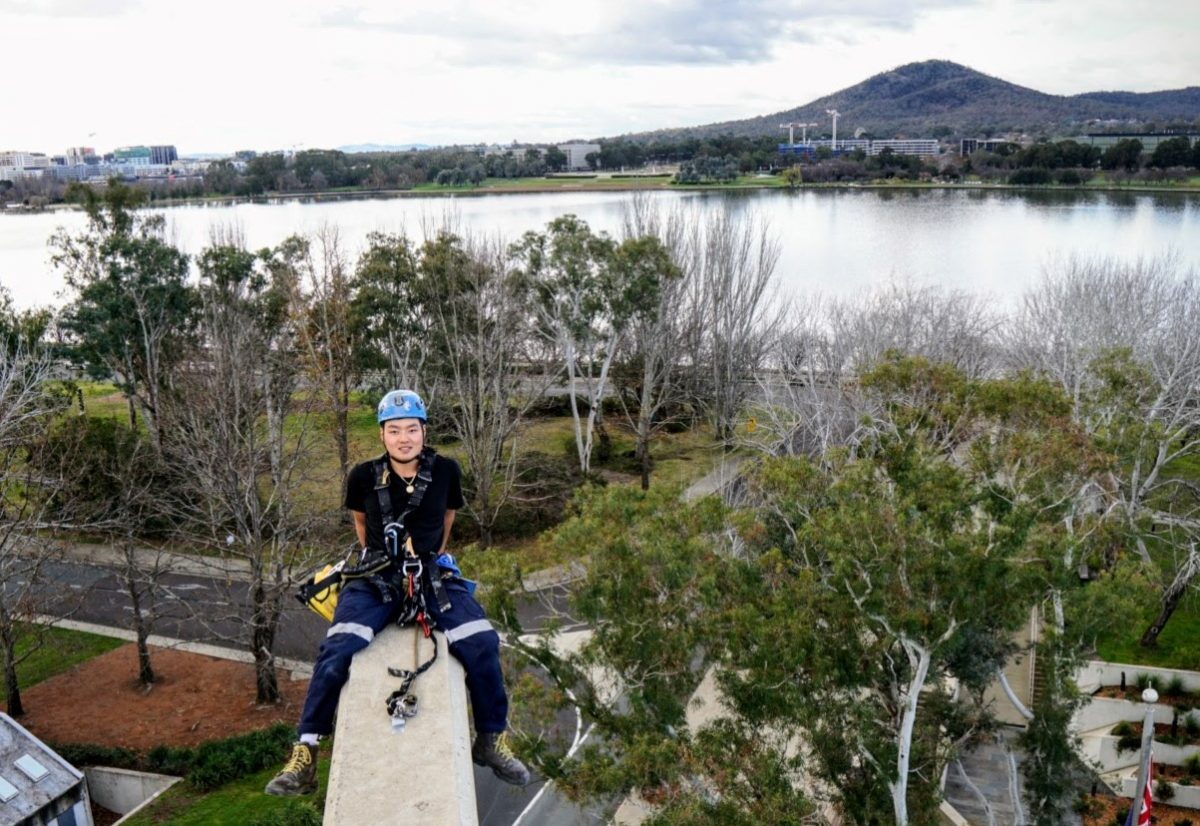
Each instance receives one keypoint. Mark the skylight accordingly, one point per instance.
(32, 768)
(7, 791)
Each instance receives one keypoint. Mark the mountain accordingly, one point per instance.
(938, 97)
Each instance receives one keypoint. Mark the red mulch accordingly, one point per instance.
(1103, 812)
(196, 699)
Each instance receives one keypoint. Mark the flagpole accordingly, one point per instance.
(1149, 697)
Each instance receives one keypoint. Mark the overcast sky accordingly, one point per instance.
(270, 74)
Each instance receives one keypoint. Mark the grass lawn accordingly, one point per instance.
(1178, 644)
(239, 803)
(60, 651)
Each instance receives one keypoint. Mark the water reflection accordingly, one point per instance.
(834, 241)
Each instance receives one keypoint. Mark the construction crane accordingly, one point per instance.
(835, 114)
(791, 127)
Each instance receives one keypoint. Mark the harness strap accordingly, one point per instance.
(401, 705)
(395, 531)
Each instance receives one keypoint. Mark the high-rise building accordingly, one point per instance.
(77, 155)
(163, 155)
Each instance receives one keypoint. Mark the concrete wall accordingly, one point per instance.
(372, 779)
(122, 790)
(1186, 796)
(1103, 752)
(1105, 712)
(1098, 673)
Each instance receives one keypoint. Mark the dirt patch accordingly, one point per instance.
(1102, 811)
(196, 699)
(1134, 695)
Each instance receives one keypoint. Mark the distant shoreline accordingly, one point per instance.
(524, 187)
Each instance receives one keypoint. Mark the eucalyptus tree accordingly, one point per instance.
(588, 289)
(132, 309)
(853, 610)
(388, 311)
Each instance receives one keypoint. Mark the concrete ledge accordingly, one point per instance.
(422, 775)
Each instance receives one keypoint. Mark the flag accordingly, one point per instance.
(1143, 816)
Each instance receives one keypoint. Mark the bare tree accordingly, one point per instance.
(26, 408)
(655, 378)
(329, 334)
(813, 403)
(244, 438)
(735, 258)
(484, 324)
(1123, 339)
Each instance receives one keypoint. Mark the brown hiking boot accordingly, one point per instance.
(492, 750)
(299, 775)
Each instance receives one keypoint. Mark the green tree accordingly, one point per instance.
(793, 176)
(132, 308)
(830, 604)
(389, 311)
(1172, 152)
(588, 289)
(555, 159)
(1124, 154)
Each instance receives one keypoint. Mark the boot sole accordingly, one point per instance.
(507, 778)
(277, 792)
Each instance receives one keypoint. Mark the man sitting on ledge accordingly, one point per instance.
(367, 605)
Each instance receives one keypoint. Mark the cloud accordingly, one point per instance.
(636, 33)
(68, 8)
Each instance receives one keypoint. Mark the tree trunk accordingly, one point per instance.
(1172, 596)
(263, 639)
(15, 706)
(920, 657)
(145, 672)
(132, 412)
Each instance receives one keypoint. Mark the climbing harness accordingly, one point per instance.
(397, 571)
(321, 590)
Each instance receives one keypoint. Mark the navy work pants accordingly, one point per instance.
(361, 614)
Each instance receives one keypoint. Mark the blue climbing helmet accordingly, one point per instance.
(400, 404)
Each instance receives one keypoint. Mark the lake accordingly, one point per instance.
(833, 242)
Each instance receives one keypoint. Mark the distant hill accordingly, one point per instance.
(361, 148)
(938, 97)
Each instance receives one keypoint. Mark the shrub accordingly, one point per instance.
(1184, 821)
(1144, 681)
(1174, 687)
(219, 762)
(1122, 729)
(1191, 724)
(1119, 818)
(206, 767)
(1192, 765)
(296, 813)
(1030, 177)
(1163, 790)
(1129, 743)
(1069, 177)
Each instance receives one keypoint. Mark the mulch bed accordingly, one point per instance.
(196, 699)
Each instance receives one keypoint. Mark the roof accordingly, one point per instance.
(31, 774)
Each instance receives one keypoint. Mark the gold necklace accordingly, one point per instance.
(408, 483)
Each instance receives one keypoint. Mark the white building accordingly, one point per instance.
(577, 153)
(17, 164)
(36, 785)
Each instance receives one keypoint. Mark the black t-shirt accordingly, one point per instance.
(426, 523)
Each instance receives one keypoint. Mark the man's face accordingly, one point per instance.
(403, 438)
